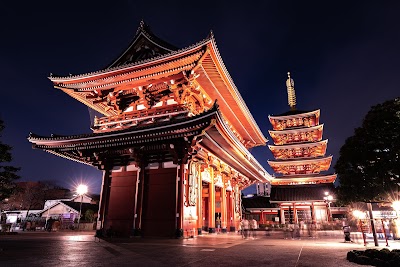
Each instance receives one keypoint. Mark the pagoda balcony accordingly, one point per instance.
(301, 167)
(302, 135)
(298, 151)
(301, 120)
(134, 118)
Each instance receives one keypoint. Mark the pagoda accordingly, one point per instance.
(173, 140)
(299, 151)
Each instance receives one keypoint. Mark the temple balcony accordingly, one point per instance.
(134, 118)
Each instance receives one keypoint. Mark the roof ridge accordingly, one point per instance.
(71, 77)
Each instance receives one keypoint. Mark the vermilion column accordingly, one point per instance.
(223, 209)
(199, 205)
(211, 203)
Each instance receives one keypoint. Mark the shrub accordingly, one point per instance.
(363, 260)
(380, 258)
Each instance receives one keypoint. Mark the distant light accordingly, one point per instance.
(396, 205)
(330, 198)
(81, 189)
(249, 195)
(358, 214)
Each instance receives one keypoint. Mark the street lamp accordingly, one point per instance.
(81, 190)
(328, 199)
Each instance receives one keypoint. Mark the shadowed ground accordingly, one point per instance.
(81, 249)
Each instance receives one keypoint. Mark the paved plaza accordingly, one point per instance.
(81, 249)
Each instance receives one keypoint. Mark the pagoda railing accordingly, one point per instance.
(139, 116)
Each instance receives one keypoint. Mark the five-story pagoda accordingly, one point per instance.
(299, 150)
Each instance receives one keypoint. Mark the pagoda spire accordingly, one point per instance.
(291, 92)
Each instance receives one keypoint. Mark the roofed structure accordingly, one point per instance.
(174, 138)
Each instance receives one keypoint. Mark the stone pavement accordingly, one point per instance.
(80, 249)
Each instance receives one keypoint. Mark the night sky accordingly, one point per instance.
(343, 56)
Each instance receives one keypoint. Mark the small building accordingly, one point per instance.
(261, 209)
(67, 212)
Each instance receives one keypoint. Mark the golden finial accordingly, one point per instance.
(291, 92)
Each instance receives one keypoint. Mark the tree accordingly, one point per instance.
(7, 173)
(369, 163)
(32, 195)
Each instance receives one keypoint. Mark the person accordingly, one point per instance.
(240, 230)
(246, 228)
(253, 227)
(296, 231)
(346, 231)
(291, 230)
(302, 227)
(393, 229)
(285, 231)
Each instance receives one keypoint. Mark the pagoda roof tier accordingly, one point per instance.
(159, 141)
(296, 136)
(304, 179)
(295, 119)
(304, 150)
(198, 67)
(300, 167)
(296, 193)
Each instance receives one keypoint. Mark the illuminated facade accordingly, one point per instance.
(299, 152)
(173, 140)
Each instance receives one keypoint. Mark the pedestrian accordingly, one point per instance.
(285, 231)
(291, 230)
(393, 229)
(254, 227)
(296, 231)
(246, 228)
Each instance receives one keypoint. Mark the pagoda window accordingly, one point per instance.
(292, 169)
(306, 152)
(296, 137)
(300, 169)
(308, 169)
(298, 152)
(300, 121)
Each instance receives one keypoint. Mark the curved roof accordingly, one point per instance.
(202, 58)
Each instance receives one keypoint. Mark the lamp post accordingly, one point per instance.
(328, 199)
(81, 190)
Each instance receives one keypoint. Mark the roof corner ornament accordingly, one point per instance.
(211, 34)
(291, 92)
(142, 23)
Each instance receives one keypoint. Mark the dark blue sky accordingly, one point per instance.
(343, 55)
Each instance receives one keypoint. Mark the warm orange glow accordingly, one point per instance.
(396, 205)
(359, 214)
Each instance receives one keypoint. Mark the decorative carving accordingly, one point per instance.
(237, 200)
(218, 180)
(193, 184)
(206, 176)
